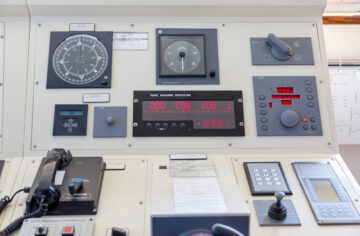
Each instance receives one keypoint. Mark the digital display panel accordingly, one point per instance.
(285, 96)
(325, 191)
(285, 90)
(204, 114)
(71, 113)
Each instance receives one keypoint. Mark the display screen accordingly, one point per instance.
(325, 191)
(204, 114)
(285, 90)
(71, 113)
(285, 96)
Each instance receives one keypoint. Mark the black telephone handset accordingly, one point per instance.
(46, 191)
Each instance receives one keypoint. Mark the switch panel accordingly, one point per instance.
(110, 122)
(45, 226)
(262, 52)
(70, 120)
(287, 106)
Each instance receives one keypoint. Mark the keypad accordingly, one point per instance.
(267, 176)
(335, 211)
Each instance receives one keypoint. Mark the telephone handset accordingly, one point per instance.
(46, 191)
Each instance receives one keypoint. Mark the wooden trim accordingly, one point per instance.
(341, 20)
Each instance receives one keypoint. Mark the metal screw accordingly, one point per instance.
(37, 83)
(329, 143)
(241, 123)
(132, 25)
(34, 146)
(2, 36)
(230, 144)
(39, 25)
(136, 100)
(240, 100)
(32, 161)
(130, 145)
(223, 25)
(356, 200)
(0, 135)
(135, 124)
(94, 210)
(7, 161)
(142, 160)
(320, 81)
(160, 31)
(141, 202)
(313, 25)
(247, 201)
(1, 84)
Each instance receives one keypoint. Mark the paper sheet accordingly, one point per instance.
(193, 168)
(198, 195)
(345, 86)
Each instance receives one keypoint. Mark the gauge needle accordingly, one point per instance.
(182, 64)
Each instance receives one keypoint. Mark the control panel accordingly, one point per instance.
(188, 113)
(287, 106)
(281, 51)
(50, 226)
(329, 200)
(70, 119)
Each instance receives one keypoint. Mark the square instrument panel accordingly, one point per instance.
(287, 106)
(187, 56)
(70, 120)
(80, 60)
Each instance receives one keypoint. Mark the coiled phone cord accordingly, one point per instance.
(6, 200)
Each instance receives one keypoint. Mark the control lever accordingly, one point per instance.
(280, 49)
(278, 210)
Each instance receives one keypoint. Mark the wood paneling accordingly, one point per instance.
(341, 20)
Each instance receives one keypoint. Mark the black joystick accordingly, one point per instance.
(182, 54)
(278, 210)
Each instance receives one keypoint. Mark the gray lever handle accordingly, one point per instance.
(280, 49)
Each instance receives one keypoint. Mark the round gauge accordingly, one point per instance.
(197, 233)
(182, 56)
(80, 59)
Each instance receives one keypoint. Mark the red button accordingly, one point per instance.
(68, 230)
(304, 119)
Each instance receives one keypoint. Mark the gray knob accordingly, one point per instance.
(279, 196)
(110, 120)
(280, 49)
(289, 118)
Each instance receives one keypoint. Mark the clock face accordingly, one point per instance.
(182, 56)
(80, 59)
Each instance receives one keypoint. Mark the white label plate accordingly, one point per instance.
(82, 27)
(130, 41)
(96, 97)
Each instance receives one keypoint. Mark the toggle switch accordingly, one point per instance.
(280, 49)
(76, 186)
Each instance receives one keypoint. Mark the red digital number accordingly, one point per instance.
(209, 105)
(156, 105)
(220, 122)
(181, 105)
(206, 123)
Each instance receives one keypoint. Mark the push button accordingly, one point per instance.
(309, 90)
(262, 97)
(41, 231)
(68, 231)
(263, 112)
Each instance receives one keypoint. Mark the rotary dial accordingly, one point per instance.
(80, 59)
(182, 56)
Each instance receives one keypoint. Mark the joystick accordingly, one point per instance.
(278, 210)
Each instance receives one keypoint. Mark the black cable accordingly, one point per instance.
(16, 224)
(6, 200)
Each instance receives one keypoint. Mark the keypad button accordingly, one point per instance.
(264, 170)
(262, 97)
(258, 178)
(257, 174)
(262, 105)
(259, 183)
(273, 170)
(310, 97)
(310, 104)
(305, 127)
(263, 112)
(264, 127)
(269, 183)
(312, 119)
(266, 174)
(274, 174)
(264, 120)
(276, 178)
(277, 183)
(313, 127)
(256, 170)
(267, 178)
(309, 90)
(308, 82)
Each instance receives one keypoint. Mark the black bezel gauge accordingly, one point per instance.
(80, 60)
(186, 56)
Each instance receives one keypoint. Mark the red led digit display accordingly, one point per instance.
(203, 114)
(285, 96)
(286, 102)
(285, 90)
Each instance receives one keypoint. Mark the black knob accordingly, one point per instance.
(278, 210)
(182, 54)
(212, 73)
(72, 188)
(104, 81)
